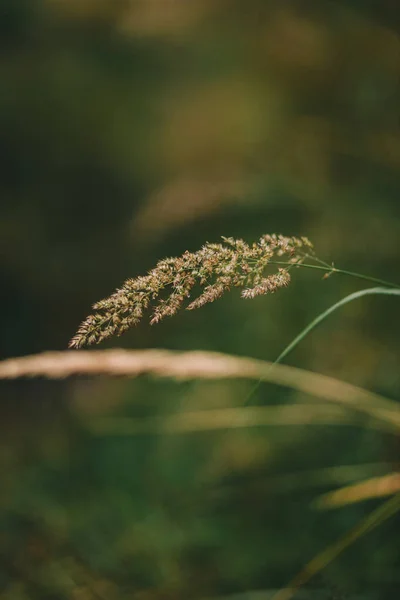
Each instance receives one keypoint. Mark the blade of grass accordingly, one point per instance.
(329, 311)
(373, 520)
(375, 487)
(201, 365)
(233, 418)
(319, 319)
(339, 475)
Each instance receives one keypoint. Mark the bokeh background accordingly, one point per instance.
(136, 129)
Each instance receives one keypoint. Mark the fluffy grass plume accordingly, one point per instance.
(215, 267)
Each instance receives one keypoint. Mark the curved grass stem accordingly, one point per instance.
(330, 310)
(322, 317)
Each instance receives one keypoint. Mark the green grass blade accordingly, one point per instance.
(373, 520)
(329, 311)
(319, 319)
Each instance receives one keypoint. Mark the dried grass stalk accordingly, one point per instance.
(375, 487)
(200, 365)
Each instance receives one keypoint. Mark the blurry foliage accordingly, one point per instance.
(137, 129)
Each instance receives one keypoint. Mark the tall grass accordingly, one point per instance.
(218, 267)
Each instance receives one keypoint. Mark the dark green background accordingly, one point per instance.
(139, 129)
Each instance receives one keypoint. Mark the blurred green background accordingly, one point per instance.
(136, 129)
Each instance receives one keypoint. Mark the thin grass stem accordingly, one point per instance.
(332, 270)
(324, 558)
(318, 320)
(330, 310)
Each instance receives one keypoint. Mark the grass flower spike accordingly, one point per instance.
(215, 267)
